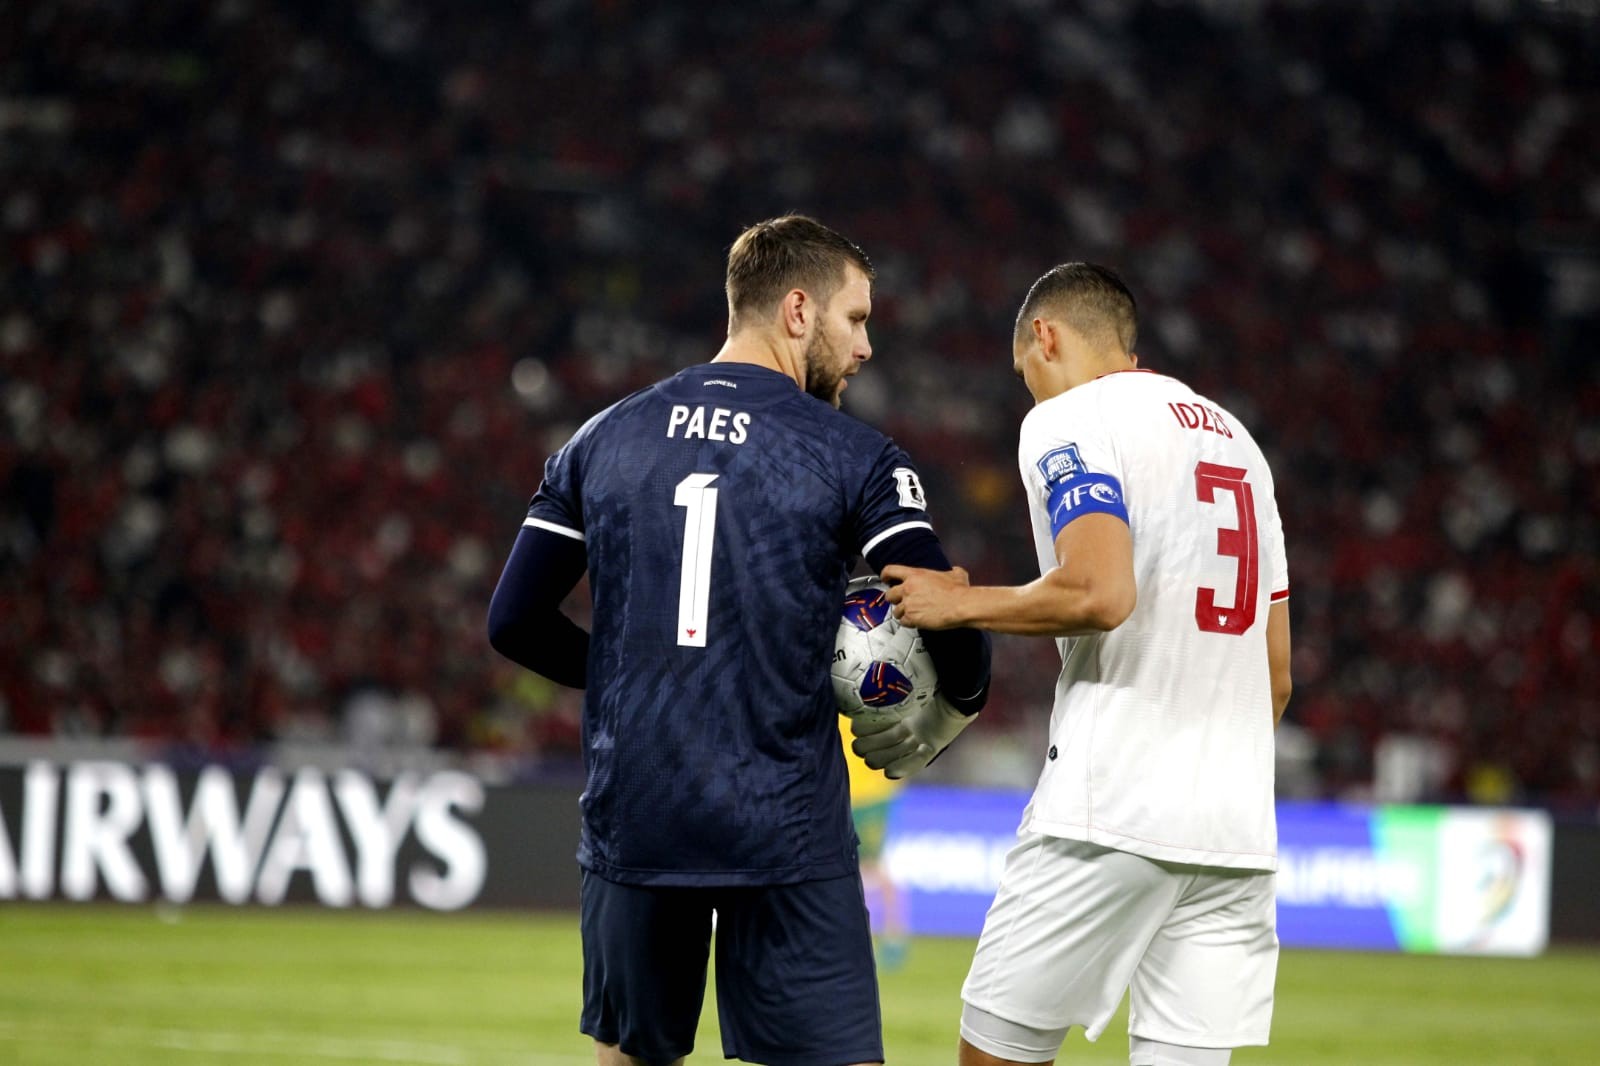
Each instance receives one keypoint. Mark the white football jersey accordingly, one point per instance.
(1161, 737)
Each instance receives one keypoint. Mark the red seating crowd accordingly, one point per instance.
(295, 298)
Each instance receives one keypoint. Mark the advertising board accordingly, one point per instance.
(1423, 879)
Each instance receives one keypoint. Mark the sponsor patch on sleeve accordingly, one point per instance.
(1061, 464)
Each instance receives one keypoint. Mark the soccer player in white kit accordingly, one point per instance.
(1145, 857)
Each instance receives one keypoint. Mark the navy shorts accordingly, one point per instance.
(796, 982)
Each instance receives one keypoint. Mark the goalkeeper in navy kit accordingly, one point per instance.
(718, 514)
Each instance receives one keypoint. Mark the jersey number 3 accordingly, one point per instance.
(1240, 543)
(699, 501)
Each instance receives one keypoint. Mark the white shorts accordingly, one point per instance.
(1074, 925)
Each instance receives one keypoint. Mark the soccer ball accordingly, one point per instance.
(880, 668)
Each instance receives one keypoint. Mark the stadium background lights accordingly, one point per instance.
(531, 380)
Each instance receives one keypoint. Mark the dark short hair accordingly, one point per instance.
(791, 252)
(1091, 299)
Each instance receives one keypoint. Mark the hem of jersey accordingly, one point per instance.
(786, 875)
(1280, 596)
(1229, 860)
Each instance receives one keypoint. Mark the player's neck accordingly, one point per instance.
(1097, 366)
(749, 346)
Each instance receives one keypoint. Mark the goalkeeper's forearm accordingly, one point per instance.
(960, 656)
(961, 659)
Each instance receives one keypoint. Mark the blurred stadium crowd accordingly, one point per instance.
(295, 298)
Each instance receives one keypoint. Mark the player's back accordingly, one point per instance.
(721, 511)
(1164, 726)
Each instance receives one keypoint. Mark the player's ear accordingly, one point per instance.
(1049, 340)
(796, 311)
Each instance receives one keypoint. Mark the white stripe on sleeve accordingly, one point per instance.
(539, 523)
(891, 531)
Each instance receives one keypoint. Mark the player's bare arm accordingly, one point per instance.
(1091, 590)
(1278, 657)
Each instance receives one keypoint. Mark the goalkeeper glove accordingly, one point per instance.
(902, 746)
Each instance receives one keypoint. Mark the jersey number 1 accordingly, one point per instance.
(1239, 543)
(699, 501)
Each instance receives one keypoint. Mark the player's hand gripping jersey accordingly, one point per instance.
(1161, 738)
(721, 511)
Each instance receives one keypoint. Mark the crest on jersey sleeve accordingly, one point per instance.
(1061, 464)
(910, 488)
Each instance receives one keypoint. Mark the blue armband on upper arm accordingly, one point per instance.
(1084, 494)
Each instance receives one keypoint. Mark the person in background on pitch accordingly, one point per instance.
(719, 513)
(1146, 854)
(873, 795)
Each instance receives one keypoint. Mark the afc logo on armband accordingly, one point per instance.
(1096, 492)
(910, 488)
(1061, 464)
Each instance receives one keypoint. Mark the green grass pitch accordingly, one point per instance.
(138, 986)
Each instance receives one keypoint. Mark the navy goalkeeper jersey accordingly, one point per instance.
(721, 511)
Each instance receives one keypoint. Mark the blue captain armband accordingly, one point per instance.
(1081, 495)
